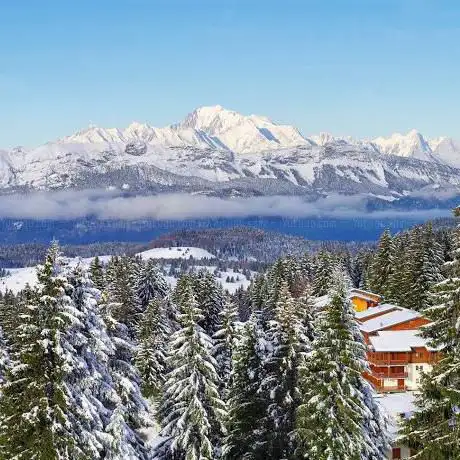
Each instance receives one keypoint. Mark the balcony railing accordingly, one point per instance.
(392, 389)
(388, 362)
(391, 375)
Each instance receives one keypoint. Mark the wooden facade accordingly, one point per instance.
(389, 370)
(362, 300)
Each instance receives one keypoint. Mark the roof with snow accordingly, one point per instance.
(397, 406)
(398, 341)
(378, 310)
(323, 301)
(401, 315)
(366, 295)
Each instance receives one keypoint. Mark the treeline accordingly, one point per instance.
(31, 254)
(251, 243)
(92, 358)
(407, 265)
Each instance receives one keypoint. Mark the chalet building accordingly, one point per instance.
(397, 360)
(362, 300)
(397, 354)
(389, 317)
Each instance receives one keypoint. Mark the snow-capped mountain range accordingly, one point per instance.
(219, 151)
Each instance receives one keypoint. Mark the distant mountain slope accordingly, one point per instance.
(221, 152)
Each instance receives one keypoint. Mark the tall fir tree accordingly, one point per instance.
(191, 411)
(130, 411)
(288, 344)
(246, 405)
(96, 270)
(151, 283)
(324, 265)
(427, 269)
(210, 298)
(94, 349)
(225, 341)
(122, 276)
(434, 429)
(5, 361)
(39, 413)
(334, 417)
(153, 332)
(381, 266)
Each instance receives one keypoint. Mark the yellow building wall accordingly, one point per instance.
(359, 304)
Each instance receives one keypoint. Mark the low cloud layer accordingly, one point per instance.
(108, 205)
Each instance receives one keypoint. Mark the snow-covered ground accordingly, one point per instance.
(240, 280)
(179, 252)
(19, 277)
(397, 406)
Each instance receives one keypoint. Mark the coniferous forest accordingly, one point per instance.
(110, 362)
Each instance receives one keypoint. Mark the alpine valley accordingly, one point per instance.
(222, 153)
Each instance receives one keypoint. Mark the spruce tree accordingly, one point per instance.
(96, 270)
(324, 265)
(246, 405)
(97, 393)
(225, 341)
(151, 283)
(288, 344)
(4, 358)
(191, 410)
(153, 332)
(333, 418)
(434, 429)
(130, 412)
(122, 281)
(210, 298)
(39, 414)
(382, 265)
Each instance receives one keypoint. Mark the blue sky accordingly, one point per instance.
(359, 67)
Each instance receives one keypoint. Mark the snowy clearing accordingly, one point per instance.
(179, 252)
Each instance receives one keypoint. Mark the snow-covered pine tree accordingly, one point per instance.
(152, 334)
(288, 344)
(434, 429)
(258, 293)
(96, 270)
(122, 280)
(10, 309)
(39, 413)
(4, 358)
(399, 278)
(151, 283)
(242, 299)
(323, 268)
(191, 411)
(97, 394)
(246, 406)
(425, 257)
(334, 416)
(210, 298)
(306, 266)
(284, 270)
(130, 412)
(381, 265)
(225, 341)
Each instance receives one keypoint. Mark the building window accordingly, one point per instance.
(419, 368)
(396, 453)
